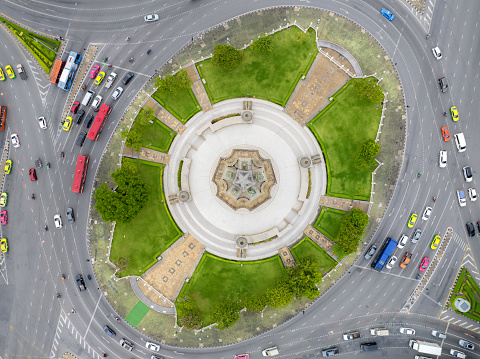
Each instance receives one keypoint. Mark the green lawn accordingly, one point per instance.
(151, 232)
(307, 248)
(216, 279)
(341, 130)
(329, 222)
(267, 75)
(182, 105)
(468, 289)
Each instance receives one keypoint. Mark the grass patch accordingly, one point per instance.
(217, 279)
(306, 248)
(182, 106)
(267, 75)
(137, 313)
(468, 289)
(151, 232)
(341, 129)
(329, 221)
(157, 136)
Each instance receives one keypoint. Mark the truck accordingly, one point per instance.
(270, 352)
(3, 117)
(21, 72)
(425, 347)
(461, 198)
(351, 335)
(381, 332)
(110, 80)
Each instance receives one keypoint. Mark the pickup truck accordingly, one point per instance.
(21, 72)
(110, 80)
(351, 335)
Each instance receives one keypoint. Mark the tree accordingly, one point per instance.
(174, 83)
(134, 136)
(262, 44)
(367, 154)
(302, 280)
(279, 297)
(368, 88)
(352, 230)
(226, 57)
(189, 316)
(226, 313)
(256, 303)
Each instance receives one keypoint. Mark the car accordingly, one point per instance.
(405, 260)
(67, 123)
(4, 217)
(442, 82)
(160, 357)
(80, 282)
(15, 140)
(478, 226)
(241, 356)
(8, 167)
(416, 235)
(438, 334)
(442, 159)
(270, 352)
(424, 264)
(127, 78)
(4, 245)
(58, 221)
(454, 113)
(33, 174)
(351, 335)
(74, 107)
(371, 251)
(70, 215)
(330, 352)
(79, 116)
(437, 53)
(2, 76)
(467, 174)
(466, 344)
(3, 199)
(457, 354)
(435, 242)
(471, 229)
(42, 123)
(152, 346)
(368, 347)
(81, 138)
(391, 262)
(117, 93)
(387, 13)
(88, 121)
(445, 133)
(407, 331)
(126, 344)
(94, 71)
(96, 102)
(10, 72)
(472, 193)
(100, 77)
(109, 331)
(151, 17)
(412, 220)
(427, 213)
(403, 241)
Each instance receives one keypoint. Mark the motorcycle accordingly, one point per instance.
(110, 67)
(39, 163)
(33, 195)
(131, 59)
(128, 38)
(149, 51)
(46, 228)
(419, 174)
(63, 276)
(434, 198)
(58, 295)
(89, 277)
(48, 165)
(62, 154)
(84, 87)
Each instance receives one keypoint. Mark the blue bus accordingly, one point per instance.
(384, 253)
(68, 73)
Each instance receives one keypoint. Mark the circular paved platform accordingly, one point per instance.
(278, 137)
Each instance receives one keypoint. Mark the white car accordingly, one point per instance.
(467, 173)
(442, 160)
(427, 213)
(437, 53)
(472, 193)
(15, 140)
(391, 262)
(407, 331)
(42, 123)
(117, 93)
(58, 221)
(151, 17)
(457, 354)
(402, 241)
(152, 346)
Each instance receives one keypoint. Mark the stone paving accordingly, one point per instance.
(288, 260)
(147, 154)
(163, 115)
(198, 88)
(177, 264)
(342, 204)
(320, 239)
(150, 296)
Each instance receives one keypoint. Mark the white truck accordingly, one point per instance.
(110, 80)
(425, 347)
(461, 198)
(21, 72)
(381, 332)
(270, 352)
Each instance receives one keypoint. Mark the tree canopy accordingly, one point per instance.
(352, 230)
(226, 57)
(174, 83)
(133, 137)
(368, 88)
(367, 154)
(262, 44)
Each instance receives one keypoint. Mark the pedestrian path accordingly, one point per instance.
(164, 116)
(321, 240)
(288, 260)
(147, 154)
(198, 88)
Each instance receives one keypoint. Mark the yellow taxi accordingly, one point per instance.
(2, 76)
(4, 245)
(3, 199)
(412, 220)
(454, 113)
(10, 72)
(99, 78)
(435, 242)
(67, 123)
(8, 167)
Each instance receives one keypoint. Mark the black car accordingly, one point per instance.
(109, 331)
(127, 78)
(80, 282)
(88, 121)
(81, 138)
(330, 352)
(368, 347)
(79, 116)
(442, 82)
(471, 229)
(70, 215)
(478, 225)
(371, 251)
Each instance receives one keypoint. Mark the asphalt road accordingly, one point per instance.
(35, 323)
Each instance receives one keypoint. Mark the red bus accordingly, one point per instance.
(56, 71)
(80, 174)
(99, 122)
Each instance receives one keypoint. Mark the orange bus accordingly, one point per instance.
(80, 174)
(99, 122)
(56, 71)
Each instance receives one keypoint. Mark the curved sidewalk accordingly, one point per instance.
(144, 299)
(341, 50)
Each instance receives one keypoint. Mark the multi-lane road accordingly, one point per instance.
(34, 322)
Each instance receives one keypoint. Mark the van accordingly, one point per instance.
(381, 332)
(87, 98)
(96, 103)
(368, 347)
(460, 142)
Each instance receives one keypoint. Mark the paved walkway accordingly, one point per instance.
(288, 260)
(198, 88)
(339, 55)
(151, 298)
(147, 154)
(321, 240)
(163, 115)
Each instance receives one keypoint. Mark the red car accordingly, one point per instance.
(445, 133)
(3, 218)
(33, 174)
(424, 264)
(94, 71)
(75, 106)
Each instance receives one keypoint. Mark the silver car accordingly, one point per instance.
(416, 235)
(151, 17)
(117, 93)
(42, 123)
(438, 334)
